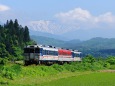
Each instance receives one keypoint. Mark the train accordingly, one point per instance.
(42, 54)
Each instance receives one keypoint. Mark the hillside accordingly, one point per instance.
(54, 42)
(96, 46)
(47, 41)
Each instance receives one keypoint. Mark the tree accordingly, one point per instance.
(13, 37)
(3, 52)
(26, 34)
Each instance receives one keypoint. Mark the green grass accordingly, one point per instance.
(86, 78)
(74, 74)
(92, 79)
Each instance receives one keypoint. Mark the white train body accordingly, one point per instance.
(43, 54)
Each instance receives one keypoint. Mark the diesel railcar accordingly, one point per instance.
(40, 54)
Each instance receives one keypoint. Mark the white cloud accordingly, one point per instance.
(107, 17)
(73, 15)
(84, 18)
(4, 8)
(73, 20)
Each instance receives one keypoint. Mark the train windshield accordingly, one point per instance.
(77, 54)
(37, 50)
(31, 50)
(26, 50)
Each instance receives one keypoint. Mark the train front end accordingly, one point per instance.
(31, 54)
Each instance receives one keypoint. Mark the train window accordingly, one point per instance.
(56, 53)
(40, 50)
(49, 53)
(45, 52)
(76, 55)
(26, 50)
(73, 55)
(37, 50)
(31, 50)
(52, 52)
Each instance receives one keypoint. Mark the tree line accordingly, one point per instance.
(13, 37)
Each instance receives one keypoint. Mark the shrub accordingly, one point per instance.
(106, 65)
(111, 60)
(3, 61)
(59, 68)
(10, 72)
(2, 82)
(97, 66)
(112, 67)
(89, 59)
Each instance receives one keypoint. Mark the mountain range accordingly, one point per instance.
(96, 46)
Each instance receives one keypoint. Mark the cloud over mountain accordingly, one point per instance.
(73, 20)
(50, 27)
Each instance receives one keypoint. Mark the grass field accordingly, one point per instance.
(92, 79)
(105, 78)
(74, 74)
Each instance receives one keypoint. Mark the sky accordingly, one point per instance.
(74, 19)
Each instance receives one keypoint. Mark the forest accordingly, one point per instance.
(13, 38)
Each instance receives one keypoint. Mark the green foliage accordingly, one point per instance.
(3, 82)
(3, 52)
(106, 65)
(10, 72)
(3, 61)
(14, 71)
(89, 59)
(18, 53)
(13, 37)
(111, 60)
(112, 67)
(58, 67)
(97, 66)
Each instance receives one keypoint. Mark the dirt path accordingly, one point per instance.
(107, 71)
